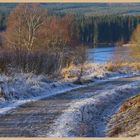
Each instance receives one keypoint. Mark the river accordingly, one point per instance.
(104, 54)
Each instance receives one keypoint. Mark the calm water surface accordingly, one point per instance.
(104, 54)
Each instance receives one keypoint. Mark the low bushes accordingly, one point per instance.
(37, 42)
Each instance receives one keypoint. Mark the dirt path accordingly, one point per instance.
(36, 118)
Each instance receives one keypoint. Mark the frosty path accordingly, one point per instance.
(45, 117)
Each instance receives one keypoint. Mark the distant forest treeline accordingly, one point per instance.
(107, 29)
(95, 29)
(3, 21)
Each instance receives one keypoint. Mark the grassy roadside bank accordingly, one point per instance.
(126, 122)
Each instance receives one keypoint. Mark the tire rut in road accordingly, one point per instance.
(35, 117)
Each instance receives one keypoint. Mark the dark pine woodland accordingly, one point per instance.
(112, 27)
(106, 29)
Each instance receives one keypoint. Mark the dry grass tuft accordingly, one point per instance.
(126, 122)
(112, 66)
(135, 66)
(65, 72)
(130, 104)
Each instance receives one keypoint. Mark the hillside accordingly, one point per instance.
(92, 9)
(126, 122)
(88, 9)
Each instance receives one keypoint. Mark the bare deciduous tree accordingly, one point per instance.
(23, 24)
(39, 42)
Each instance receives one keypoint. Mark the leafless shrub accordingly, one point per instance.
(35, 42)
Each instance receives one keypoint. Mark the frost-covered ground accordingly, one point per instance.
(89, 117)
(22, 88)
(19, 88)
(85, 111)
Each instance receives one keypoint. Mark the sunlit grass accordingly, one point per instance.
(114, 66)
(126, 120)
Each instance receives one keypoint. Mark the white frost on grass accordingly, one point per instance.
(88, 117)
(19, 88)
(22, 88)
(94, 71)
